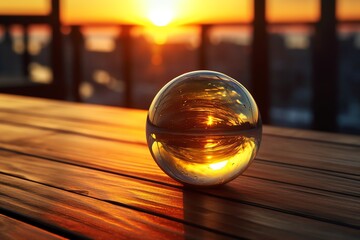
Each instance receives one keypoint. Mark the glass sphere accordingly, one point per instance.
(203, 128)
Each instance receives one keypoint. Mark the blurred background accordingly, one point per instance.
(299, 58)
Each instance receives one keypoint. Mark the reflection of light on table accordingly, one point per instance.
(209, 121)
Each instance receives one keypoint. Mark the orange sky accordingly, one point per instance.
(178, 11)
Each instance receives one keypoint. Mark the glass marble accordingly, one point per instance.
(203, 128)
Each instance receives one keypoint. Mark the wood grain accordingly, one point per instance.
(317, 178)
(276, 149)
(267, 194)
(74, 144)
(184, 205)
(87, 217)
(311, 154)
(334, 182)
(57, 111)
(78, 126)
(345, 139)
(86, 170)
(12, 229)
(136, 161)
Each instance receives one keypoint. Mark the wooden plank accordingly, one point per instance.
(311, 154)
(334, 182)
(133, 130)
(297, 175)
(313, 135)
(318, 155)
(115, 147)
(331, 181)
(73, 111)
(87, 217)
(99, 130)
(184, 205)
(12, 133)
(274, 195)
(137, 166)
(14, 229)
(307, 152)
(124, 133)
(60, 112)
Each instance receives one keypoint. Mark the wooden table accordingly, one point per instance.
(83, 171)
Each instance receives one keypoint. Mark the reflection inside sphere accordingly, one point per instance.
(203, 128)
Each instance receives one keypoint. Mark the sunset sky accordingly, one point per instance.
(176, 12)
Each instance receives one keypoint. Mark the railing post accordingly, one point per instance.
(325, 70)
(126, 43)
(260, 61)
(26, 55)
(57, 50)
(204, 46)
(77, 66)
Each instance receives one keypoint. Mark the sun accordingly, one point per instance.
(161, 12)
(159, 17)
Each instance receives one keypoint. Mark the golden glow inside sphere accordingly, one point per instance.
(203, 128)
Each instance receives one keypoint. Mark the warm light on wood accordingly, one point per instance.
(85, 170)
